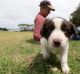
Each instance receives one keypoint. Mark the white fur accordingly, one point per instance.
(48, 45)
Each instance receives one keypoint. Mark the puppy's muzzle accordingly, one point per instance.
(57, 43)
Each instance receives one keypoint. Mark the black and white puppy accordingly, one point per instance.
(55, 34)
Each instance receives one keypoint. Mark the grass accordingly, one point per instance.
(20, 54)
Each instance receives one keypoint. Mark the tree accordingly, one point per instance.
(3, 29)
(75, 16)
(23, 27)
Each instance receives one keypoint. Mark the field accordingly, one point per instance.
(20, 54)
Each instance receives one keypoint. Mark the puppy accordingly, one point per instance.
(55, 34)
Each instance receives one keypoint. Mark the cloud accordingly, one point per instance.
(64, 7)
(19, 11)
(15, 9)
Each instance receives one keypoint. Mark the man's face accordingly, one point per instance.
(47, 11)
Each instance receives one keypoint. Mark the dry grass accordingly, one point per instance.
(20, 54)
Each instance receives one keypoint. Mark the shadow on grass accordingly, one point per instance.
(40, 66)
(32, 41)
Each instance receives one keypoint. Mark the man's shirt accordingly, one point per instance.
(39, 20)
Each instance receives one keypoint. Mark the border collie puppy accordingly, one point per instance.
(55, 34)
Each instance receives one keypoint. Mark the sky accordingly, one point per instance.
(14, 12)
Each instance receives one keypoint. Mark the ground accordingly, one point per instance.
(20, 54)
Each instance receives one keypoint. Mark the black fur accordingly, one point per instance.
(68, 28)
(48, 27)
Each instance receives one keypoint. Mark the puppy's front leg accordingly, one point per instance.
(46, 54)
(44, 47)
(64, 57)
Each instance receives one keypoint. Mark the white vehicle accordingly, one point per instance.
(78, 30)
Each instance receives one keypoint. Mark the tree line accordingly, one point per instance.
(3, 29)
(75, 16)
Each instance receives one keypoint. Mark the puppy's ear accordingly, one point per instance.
(72, 29)
(43, 29)
(47, 28)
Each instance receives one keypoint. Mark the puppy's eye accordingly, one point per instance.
(65, 29)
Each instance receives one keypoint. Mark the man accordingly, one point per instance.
(45, 9)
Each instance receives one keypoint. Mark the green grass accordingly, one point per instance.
(20, 54)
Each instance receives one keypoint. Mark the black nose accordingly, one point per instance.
(57, 43)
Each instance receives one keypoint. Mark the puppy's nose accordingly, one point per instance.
(56, 43)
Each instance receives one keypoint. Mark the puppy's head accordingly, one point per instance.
(57, 31)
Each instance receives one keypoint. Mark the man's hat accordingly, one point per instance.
(47, 3)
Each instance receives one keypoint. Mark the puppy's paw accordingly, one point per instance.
(46, 55)
(65, 69)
